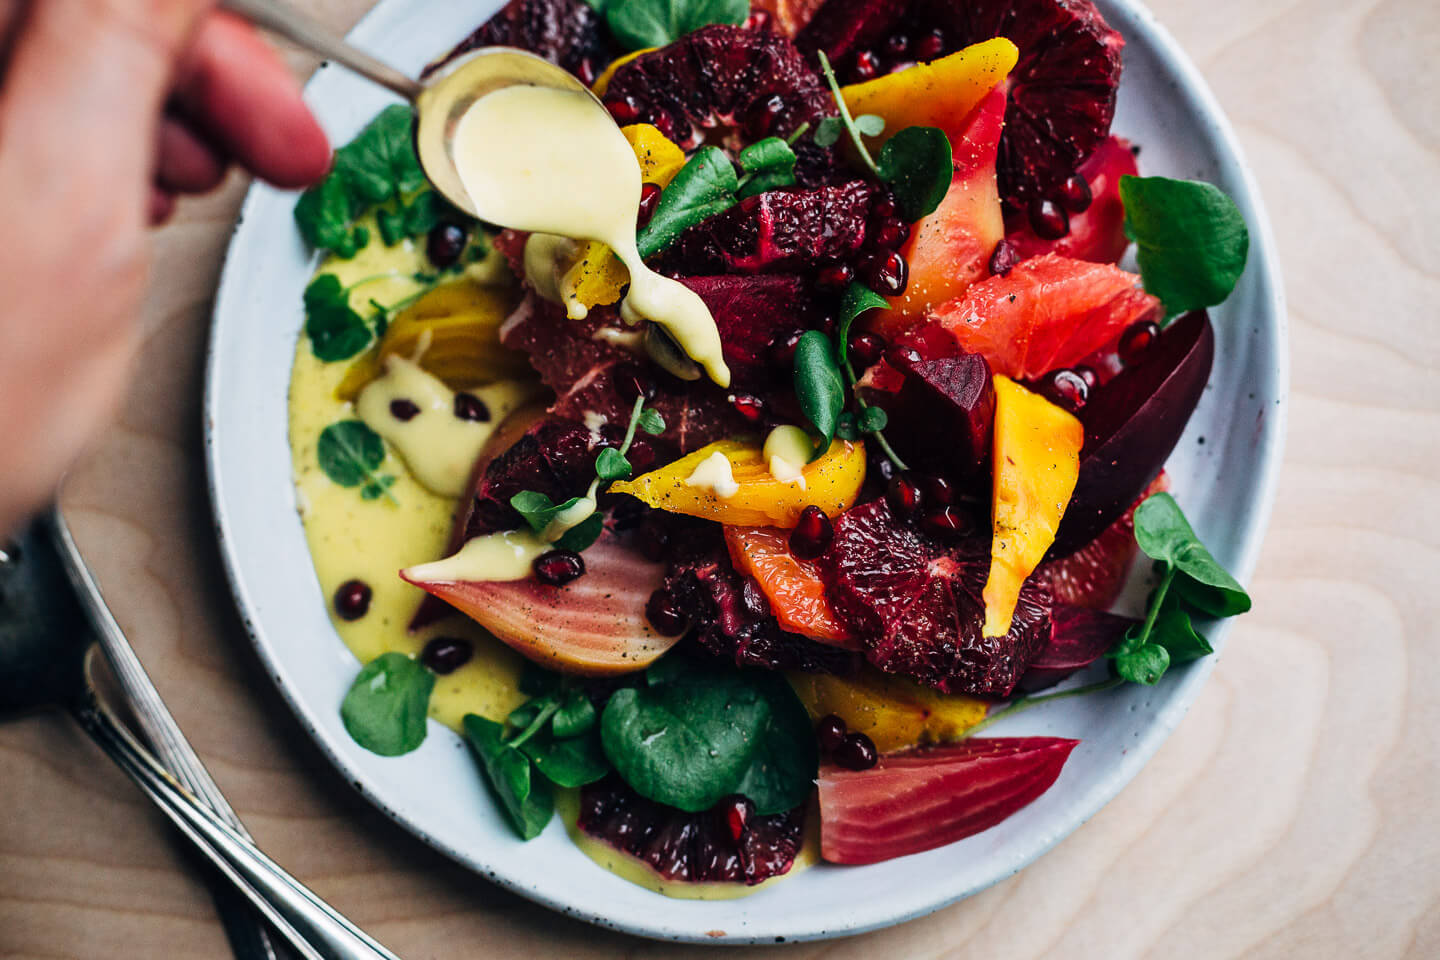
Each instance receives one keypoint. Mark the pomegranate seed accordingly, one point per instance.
(856, 752)
(897, 45)
(470, 407)
(749, 406)
(866, 349)
(829, 731)
(735, 812)
(1136, 340)
(665, 615)
(403, 410)
(1088, 374)
(586, 72)
(758, 20)
(624, 111)
(880, 467)
(352, 599)
(938, 490)
(632, 383)
(866, 66)
(1075, 194)
(834, 278)
(649, 200)
(558, 567)
(903, 357)
(445, 243)
(886, 273)
(1004, 259)
(782, 351)
(1065, 388)
(891, 233)
(1047, 219)
(882, 208)
(950, 521)
(930, 46)
(654, 538)
(446, 654)
(812, 535)
(903, 494)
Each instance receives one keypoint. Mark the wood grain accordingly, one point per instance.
(1296, 812)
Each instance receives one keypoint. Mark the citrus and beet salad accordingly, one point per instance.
(909, 511)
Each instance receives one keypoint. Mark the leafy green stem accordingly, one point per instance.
(541, 718)
(845, 117)
(800, 131)
(849, 369)
(1155, 603)
(1025, 703)
(631, 427)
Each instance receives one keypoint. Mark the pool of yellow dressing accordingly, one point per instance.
(371, 540)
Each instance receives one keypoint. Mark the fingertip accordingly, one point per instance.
(239, 90)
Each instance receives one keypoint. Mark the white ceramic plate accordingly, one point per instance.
(1224, 473)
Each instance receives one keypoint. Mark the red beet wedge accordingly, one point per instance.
(921, 799)
(1078, 637)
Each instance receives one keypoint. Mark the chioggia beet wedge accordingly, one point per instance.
(921, 799)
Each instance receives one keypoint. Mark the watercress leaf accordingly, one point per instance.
(426, 212)
(377, 488)
(575, 716)
(583, 534)
(528, 803)
(772, 153)
(392, 226)
(380, 162)
(385, 709)
(918, 165)
(651, 422)
(612, 465)
(829, 131)
(761, 182)
(786, 762)
(1144, 664)
(1174, 631)
(570, 762)
(524, 715)
(323, 214)
(537, 509)
(846, 428)
(637, 24)
(857, 299)
(873, 420)
(598, 5)
(1164, 534)
(870, 124)
(688, 742)
(1191, 237)
(705, 186)
(667, 669)
(818, 385)
(336, 331)
(349, 452)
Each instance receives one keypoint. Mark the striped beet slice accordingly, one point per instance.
(594, 626)
(920, 799)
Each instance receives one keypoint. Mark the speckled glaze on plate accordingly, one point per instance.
(1224, 473)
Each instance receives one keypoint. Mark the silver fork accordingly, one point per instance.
(249, 939)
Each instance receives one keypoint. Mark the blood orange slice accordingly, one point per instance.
(793, 586)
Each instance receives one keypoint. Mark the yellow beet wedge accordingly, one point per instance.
(940, 93)
(831, 483)
(660, 159)
(893, 712)
(1036, 455)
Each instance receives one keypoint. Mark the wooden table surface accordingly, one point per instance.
(1296, 811)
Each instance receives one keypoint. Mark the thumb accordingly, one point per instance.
(83, 93)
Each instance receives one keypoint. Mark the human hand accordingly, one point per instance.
(110, 109)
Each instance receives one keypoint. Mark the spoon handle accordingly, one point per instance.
(281, 18)
(314, 928)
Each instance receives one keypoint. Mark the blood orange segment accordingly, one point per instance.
(1094, 575)
(1046, 313)
(1097, 233)
(793, 586)
(921, 799)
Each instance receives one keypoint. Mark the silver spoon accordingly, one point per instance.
(46, 649)
(440, 101)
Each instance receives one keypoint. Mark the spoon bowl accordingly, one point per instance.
(454, 88)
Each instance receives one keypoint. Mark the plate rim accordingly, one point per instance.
(1185, 688)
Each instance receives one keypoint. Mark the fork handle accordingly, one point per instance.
(313, 927)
